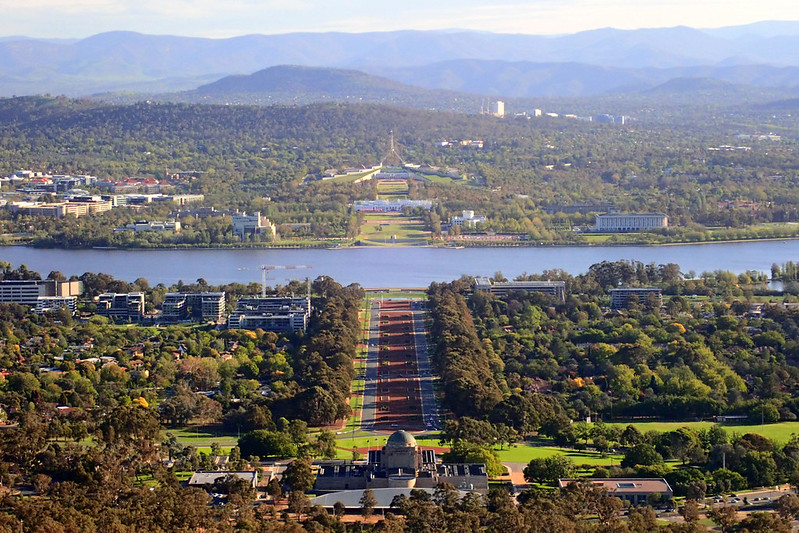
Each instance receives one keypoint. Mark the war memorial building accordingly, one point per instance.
(400, 464)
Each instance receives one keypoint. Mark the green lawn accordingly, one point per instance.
(595, 238)
(392, 187)
(348, 178)
(401, 295)
(435, 178)
(779, 432)
(523, 453)
(204, 436)
(405, 229)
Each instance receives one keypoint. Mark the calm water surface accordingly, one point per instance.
(389, 267)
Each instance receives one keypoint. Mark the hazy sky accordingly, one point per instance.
(227, 18)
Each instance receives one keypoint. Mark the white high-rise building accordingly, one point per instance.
(498, 108)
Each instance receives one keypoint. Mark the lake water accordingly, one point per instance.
(390, 267)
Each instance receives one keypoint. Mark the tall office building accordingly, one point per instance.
(498, 108)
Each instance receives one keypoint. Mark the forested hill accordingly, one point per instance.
(292, 85)
(547, 158)
(283, 142)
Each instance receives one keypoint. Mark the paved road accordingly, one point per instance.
(426, 390)
(757, 499)
(370, 377)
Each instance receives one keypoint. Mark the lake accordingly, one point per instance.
(390, 267)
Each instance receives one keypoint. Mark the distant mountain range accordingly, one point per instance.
(593, 62)
(295, 85)
(526, 79)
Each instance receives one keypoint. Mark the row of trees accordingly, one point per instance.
(467, 370)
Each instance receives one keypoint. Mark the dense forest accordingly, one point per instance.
(687, 358)
(527, 365)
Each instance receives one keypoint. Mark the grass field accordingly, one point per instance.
(379, 228)
(203, 437)
(780, 432)
(392, 187)
(435, 178)
(404, 231)
(397, 294)
(523, 453)
(349, 178)
(595, 238)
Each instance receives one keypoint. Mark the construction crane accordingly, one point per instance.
(265, 268)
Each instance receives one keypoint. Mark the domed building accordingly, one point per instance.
(401, 452)
(400, 464)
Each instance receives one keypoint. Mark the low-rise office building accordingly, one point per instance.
(503, 288)
(154, 225)
(628, 222)
(28, 291)
(253, 224)
(46, 304)
(619, 297)
(386, 206)
(285, 315)
(637, 491)
(206, 480)
(468, 218)
(61, 209)
(205, 306)
(121, 307)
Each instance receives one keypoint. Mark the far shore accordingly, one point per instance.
(442, 245)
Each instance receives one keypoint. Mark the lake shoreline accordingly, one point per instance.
(459, 246)
(391, 266)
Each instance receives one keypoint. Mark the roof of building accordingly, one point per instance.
(400, 439)
(486, 281)
(624, 485)
(613, 215)
(209, 478)
(352, 498)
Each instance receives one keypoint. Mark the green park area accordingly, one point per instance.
(524, 453)
(435, 178)
(780, 432)
(350, 436)
(392, 188)
(386, 229)
(349, 178)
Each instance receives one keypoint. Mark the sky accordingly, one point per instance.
(229, 18)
